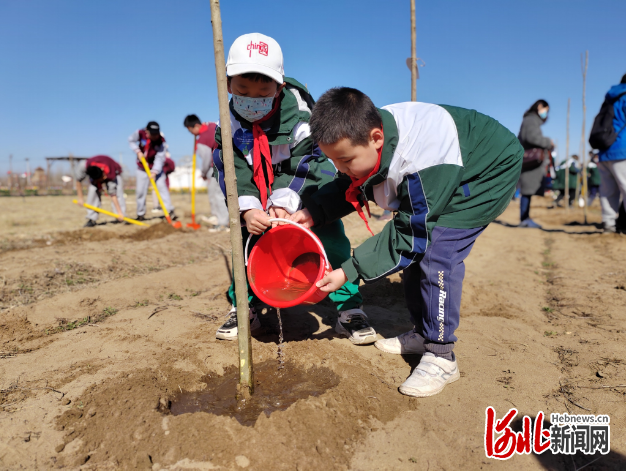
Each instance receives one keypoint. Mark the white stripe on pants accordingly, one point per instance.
(216, 200)
(612, 185)
(142, 191)
(94, 198)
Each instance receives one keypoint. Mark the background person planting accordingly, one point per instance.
(446, 172)
(151, 143)
(103, 172)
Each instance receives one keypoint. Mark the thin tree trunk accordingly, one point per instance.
(246, 379)
(584, 149)
(567, 160)
(413, 55)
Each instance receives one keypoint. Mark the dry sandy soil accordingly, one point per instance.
(101, 329)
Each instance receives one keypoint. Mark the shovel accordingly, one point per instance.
(193, 224)
(175, 224)
(108, 213)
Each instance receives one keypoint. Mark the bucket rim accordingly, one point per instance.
(299, 226)
(304, 297)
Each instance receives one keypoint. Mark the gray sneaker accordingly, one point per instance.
(408, 343)
(354, 325)
(229, 330)
(607, 229)
(430, 376)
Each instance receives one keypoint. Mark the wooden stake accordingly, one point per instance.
(246, 380)
(567, 160)
(584, 150)
(413, 55)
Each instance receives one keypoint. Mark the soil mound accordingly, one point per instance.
(83, 235)
(156, 231)
(274, 390)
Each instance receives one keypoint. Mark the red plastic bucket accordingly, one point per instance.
(285, 264)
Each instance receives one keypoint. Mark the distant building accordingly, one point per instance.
(39, 178)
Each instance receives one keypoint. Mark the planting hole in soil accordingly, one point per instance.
(273, 390)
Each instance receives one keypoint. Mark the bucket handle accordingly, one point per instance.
(309, 232)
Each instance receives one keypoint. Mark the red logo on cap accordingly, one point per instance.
(261, 47)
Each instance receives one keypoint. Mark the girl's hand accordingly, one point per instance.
(257, 221)
(302, 217)
(276, 212)
(332, 281)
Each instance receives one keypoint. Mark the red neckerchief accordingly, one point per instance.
(203, 128)
(261, 152)
(354, 189)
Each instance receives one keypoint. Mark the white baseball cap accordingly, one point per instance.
(255, 52)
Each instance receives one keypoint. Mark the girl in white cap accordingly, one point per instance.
(279, 166)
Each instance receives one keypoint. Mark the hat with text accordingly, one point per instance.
(255, 52)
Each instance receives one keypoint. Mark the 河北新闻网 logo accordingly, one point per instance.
(568, 434)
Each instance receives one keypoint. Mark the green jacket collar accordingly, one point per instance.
(281, 124)
(390, 130)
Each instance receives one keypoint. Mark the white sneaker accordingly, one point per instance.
(210, 220)
(219, 229)
(229, 330)
(430, 376)
(408, 343)
(354, 325)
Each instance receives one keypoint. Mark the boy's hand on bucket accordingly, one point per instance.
(257, 221)
(276, 212)
(302, 217)
(332, 281)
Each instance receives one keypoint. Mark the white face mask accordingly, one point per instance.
(252, 109)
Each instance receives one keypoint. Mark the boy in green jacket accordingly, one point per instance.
(446, 172)
(278, 165)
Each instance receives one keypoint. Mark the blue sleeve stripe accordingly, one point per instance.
(419, 207)
(217, 160)
(466, 191)
(420, 212)
(302, 170)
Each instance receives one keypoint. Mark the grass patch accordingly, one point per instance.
(65, 325)
(548, 309)
(550, 333)
(145, 302)
(175, 297)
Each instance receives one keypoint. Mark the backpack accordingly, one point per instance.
(603, 133)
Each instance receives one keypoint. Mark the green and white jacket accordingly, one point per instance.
(299, 166)
(440, 166)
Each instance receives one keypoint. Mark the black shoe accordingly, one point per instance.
(141, 218)
(173, 216)
(90, 223)
(356, 327)
(228, 330)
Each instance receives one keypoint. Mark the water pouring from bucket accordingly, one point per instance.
(285, 265)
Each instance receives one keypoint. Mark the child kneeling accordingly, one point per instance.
(446, 173)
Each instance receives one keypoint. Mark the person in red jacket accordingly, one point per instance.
(103, 172)
(151, 143)
(205, 144)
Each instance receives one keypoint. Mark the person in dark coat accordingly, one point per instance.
(531, 137)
